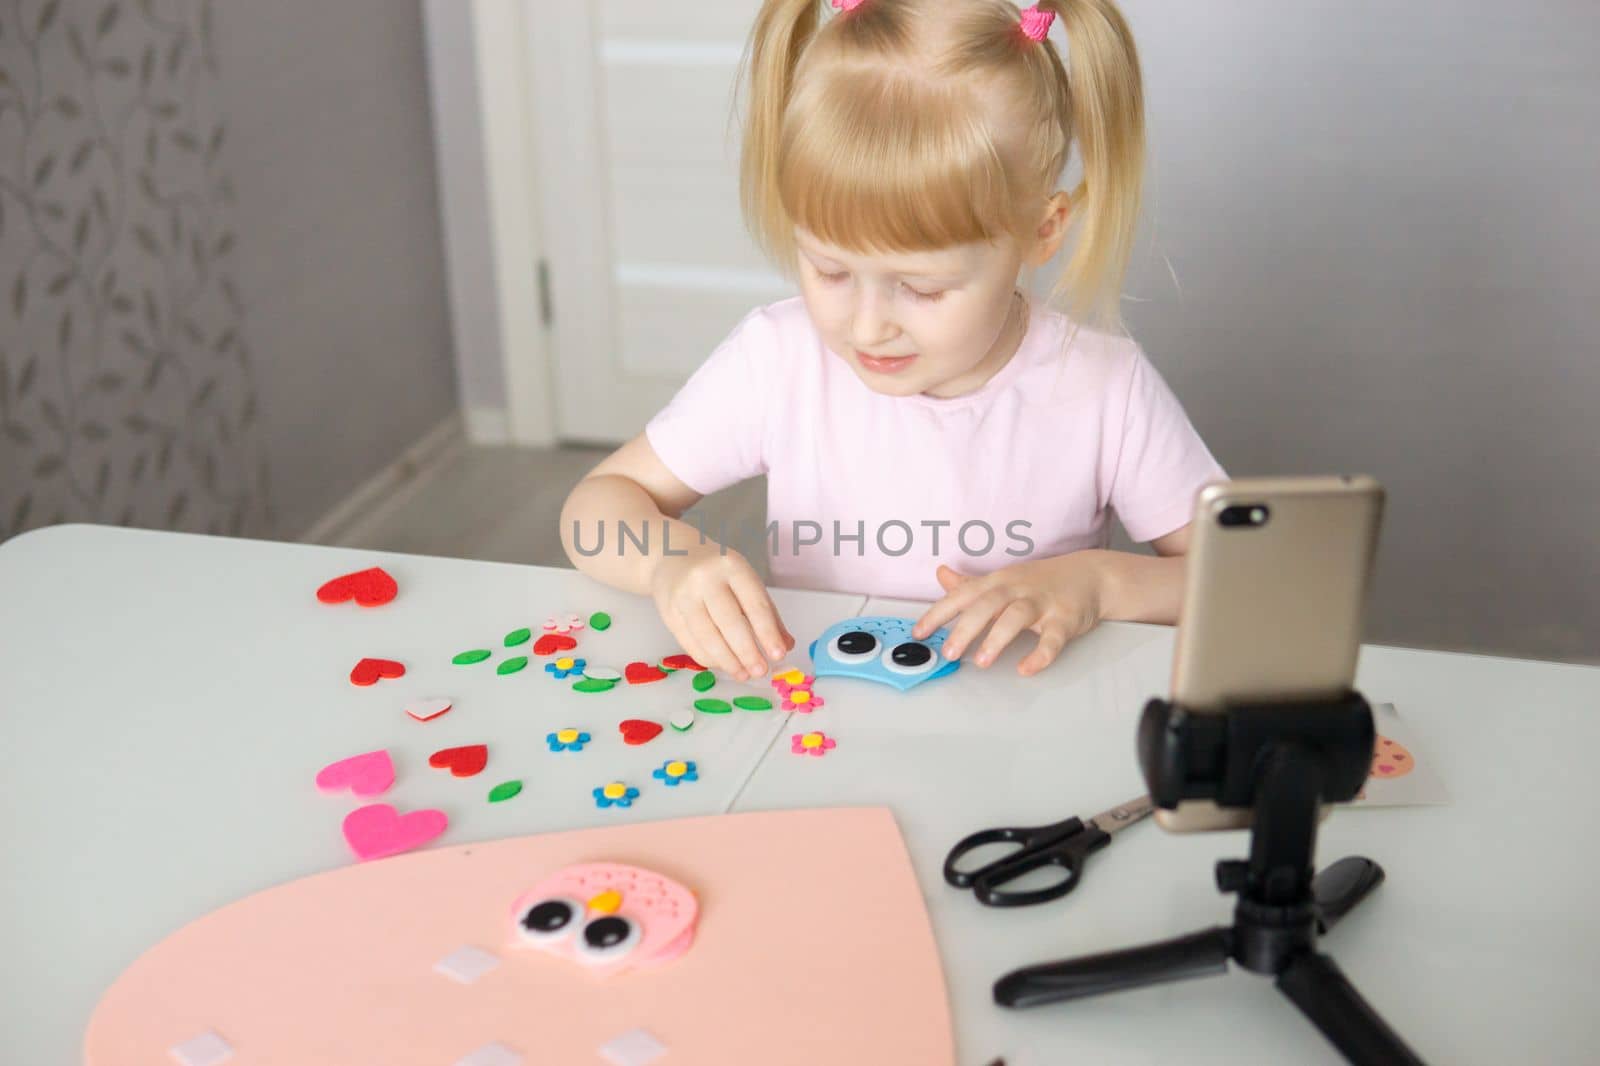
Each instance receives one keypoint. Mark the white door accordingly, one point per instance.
(648, 265)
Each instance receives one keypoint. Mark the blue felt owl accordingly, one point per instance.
(880, 648)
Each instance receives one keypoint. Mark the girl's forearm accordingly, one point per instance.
(613, 531)
(1141, 588)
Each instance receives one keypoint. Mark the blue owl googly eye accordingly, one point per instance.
(911, 658)
(855, 646)
(880, 648)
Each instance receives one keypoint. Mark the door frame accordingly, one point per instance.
(507, 321)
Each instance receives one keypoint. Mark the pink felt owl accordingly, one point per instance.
(608, 916)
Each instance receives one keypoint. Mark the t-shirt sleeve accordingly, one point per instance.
(1161, 462)
(713, 432)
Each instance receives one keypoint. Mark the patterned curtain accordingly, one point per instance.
(126, 392)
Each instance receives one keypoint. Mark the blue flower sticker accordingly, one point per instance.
(675, 770)
(560, 668)
(616, 794)
(566, 740)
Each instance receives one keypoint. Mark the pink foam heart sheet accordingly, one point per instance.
(366, 774)
(377, 830)
(790, 963)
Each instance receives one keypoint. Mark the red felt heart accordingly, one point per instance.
(369, 588)
(639, 731)
(643, 673)
(681, 662)
(371, 671)
(551, 643)
(463, 761)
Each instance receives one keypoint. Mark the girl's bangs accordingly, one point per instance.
(881, 163)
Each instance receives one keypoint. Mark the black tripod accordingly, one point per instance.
(1285, 761)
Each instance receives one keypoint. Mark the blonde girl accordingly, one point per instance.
(927, 431)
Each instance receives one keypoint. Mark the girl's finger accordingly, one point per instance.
(686, 640)
(952, 604)
(1052, 638)
(735, 627)
(718, 655)
(1013, 620)
(973, 619)
(763, 615)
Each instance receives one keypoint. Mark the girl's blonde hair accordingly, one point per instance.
(914, 125)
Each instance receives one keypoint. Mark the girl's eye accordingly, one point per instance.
(918, 294)
(833, 279)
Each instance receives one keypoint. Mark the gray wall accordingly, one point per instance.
(345, 275)
(1373, 244)
(247, 259)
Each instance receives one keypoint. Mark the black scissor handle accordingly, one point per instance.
(968, 844)
(1030, 839)
(1066, 851)
(988, 885)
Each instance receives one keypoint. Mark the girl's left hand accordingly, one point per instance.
(1058, 598)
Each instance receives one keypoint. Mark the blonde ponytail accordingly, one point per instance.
(1108, 124)
(781, 32)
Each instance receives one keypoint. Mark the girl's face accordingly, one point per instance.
(939, 323)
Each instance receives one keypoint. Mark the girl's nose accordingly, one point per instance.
(870, 325)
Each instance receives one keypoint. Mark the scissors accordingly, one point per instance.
(1064, 845)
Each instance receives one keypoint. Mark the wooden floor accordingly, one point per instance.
(501, 504)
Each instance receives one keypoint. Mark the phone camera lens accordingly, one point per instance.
(1249, 516)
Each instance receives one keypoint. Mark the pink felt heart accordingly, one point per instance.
(377, 830)
(366, 775)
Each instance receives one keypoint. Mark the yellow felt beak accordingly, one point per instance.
(606, 902)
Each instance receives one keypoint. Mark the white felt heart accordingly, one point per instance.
(422, 710)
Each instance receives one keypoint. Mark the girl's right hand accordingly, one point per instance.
(714, 603)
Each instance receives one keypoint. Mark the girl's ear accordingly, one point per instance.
(1052, 229)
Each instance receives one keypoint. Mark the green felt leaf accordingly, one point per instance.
(512, 665)
(600, 621)
(504, 791)
(704, 680)
(594, 684)
(518, 636)
(476, 655)
(712, 706)
(752, 703)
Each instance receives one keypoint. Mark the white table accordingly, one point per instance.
(166, 699)
(1482, 946)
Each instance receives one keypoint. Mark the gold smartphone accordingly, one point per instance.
(1278, 571)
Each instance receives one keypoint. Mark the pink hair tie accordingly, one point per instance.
(1035, 23)
(847, 5)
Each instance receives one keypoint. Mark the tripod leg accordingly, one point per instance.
(1202, 954)
(1341, 886)
(1315, 984)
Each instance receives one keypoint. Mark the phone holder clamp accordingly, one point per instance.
(1284, 760)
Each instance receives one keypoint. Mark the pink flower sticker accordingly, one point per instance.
(813, 743)
(787, 683)
(801, 699)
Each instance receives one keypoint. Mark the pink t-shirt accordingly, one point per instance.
(868, 493)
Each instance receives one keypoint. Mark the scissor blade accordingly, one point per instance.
(1124, 814)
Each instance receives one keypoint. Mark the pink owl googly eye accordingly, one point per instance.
(545, 921)
(607, 917)
(606, 939)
